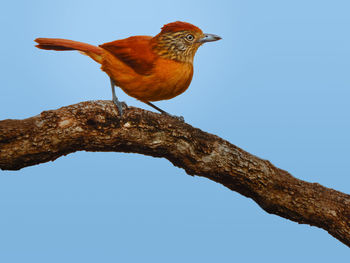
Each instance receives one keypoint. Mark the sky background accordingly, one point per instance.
(276, 85)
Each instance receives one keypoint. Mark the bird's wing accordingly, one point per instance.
(136, 52)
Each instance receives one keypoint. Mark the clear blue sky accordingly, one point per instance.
(277, 85)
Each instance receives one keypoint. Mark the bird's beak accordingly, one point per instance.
(208, 38)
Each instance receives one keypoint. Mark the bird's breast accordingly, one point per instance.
(168, 78)
(171, 77)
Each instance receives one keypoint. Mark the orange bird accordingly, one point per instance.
(144, 67)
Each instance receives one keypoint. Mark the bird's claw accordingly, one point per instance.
(120, 105)
(180, 118)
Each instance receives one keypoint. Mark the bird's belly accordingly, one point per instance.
(168, 79)
(166, 83)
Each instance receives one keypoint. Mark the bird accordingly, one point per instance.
(144, 67)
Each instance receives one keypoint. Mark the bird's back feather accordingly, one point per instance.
(136, 52)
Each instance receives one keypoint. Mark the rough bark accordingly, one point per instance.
(96, 126)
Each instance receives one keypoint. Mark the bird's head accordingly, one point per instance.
(180, 41)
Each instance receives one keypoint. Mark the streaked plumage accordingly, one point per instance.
(146, 68)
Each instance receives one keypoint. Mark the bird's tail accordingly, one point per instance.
(64, 44)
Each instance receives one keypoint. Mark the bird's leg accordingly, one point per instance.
(158, 109)
(164, 112)
(115, 99)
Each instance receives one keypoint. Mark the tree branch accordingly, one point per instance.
(96, 126)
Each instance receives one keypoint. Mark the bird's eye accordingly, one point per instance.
(190, 37)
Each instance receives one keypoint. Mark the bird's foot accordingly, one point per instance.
(120, 105)
(180, 118)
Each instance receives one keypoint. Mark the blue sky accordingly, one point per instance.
(276, 85)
